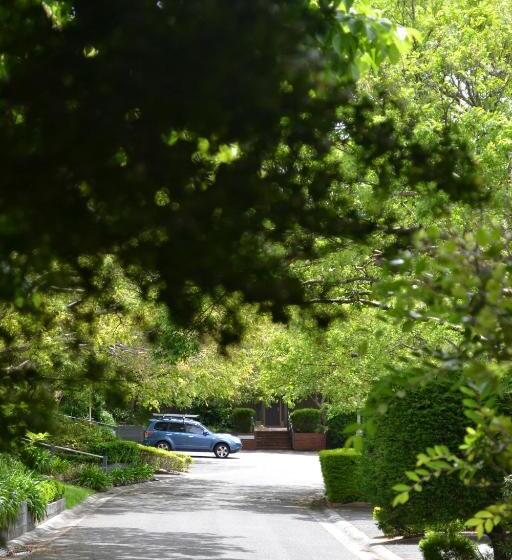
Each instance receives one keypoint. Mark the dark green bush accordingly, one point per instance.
(447, 546)
(117, 451)
(306, 420)
(424, 417)
(341, 472)
(132, 474)
(93, 476)
(336, 424)
(242, 420)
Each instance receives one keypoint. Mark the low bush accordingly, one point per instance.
(131, 475)
(341, 472)
(448, 546)
(50, 490)
(99, 479)
(117, 451)
(160, 459)
(306, 420)
(18, 484)
(93, 476)
(43, 461)
(242, 420)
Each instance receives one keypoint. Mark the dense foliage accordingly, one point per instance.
(242, 420)
(189, 192)
(18, 484)
(306, 420)
(448, 546)
(417, 418)
(341, 470)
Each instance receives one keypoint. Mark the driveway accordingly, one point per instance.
(254, 505)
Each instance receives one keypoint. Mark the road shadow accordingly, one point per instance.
(185, 495)
(114, 543)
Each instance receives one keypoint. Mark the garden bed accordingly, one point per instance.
(25, 520)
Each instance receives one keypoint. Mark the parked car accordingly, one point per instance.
(179, 433)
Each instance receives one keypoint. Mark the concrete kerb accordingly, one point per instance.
(357, 542)
(53, 528)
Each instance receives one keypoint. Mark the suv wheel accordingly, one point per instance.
(164, 445)
(221, 450)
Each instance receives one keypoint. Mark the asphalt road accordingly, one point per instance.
(254, 505)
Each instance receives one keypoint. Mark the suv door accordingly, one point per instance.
(196, 440)
(176, 433)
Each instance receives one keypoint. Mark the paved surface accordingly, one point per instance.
(255, 505)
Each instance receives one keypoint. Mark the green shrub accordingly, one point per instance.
(306, 420)
(50, 490)
(336, 424)
(107, 418)
(132, 474)
(80, 434)
(18, 484)
(160, 459)
(447, 546)
(424, 417)
(341, 472)
(43, 461)
(92, 476)
(117, 451)
(242, 420)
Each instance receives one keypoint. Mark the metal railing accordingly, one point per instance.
(289, 424)
(104, 458)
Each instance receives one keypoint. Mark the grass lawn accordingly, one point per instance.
(74, 495)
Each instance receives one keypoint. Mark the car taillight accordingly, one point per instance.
(148, 433)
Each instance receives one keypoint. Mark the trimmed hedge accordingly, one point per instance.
(306, 420)
(160, 459)
(242, 420)
(341, 472)
(424, 417)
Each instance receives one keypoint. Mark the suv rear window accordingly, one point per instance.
(176, 427)
(169, 427)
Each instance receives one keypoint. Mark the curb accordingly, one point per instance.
(354, 540)
(60, 524)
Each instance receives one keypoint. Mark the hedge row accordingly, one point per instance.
(423, 417)
(306, 420)
(341, 472)
(242, 420)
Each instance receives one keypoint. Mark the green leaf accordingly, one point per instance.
(401, 499)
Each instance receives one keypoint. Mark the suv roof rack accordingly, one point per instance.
(171, 416)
